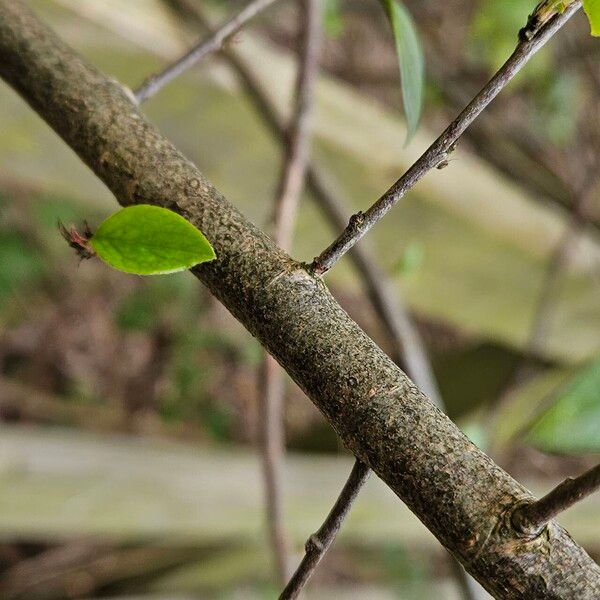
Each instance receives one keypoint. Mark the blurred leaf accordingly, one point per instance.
(171, 299)
(411, 260)
(149, 240)
(523, 404)
(410, 58)
(494, 29)
(20, 264)
(572, 424)
(559, 99)
(592, 10)
(477, 433)
(332, 18)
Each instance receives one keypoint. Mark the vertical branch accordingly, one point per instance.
(289, 190)
(405, 340)
(272, 449)
(298, 145)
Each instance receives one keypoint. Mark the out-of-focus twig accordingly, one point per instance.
(524, 364)
(214, 42)
(289, 190)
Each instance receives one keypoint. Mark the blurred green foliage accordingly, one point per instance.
(572, 423)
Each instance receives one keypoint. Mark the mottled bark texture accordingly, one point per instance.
(454, 488)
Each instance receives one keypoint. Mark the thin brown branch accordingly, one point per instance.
(299, 132)
(272, 449)
(530, 518)
(319, 542)
(289, 190)
(212, 43)
(361, 223)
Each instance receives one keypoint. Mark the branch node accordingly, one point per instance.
(314, 544)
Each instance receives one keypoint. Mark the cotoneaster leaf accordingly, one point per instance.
(572, 423)
(149, 240)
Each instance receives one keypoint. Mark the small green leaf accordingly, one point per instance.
(411, 260)
(332, 18)
(572, 424)
(149, 240)
(410, 58)
(592, 10)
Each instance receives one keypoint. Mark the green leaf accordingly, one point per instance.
(149, 240)
(572, 424)
(410, 58)
(592, 10)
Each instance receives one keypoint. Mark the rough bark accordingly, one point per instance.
(381, 416)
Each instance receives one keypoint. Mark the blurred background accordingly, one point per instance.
(128, 462)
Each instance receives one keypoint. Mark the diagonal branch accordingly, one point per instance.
(318, 543)
(287, 199)
(531, 517)
(454, 488)
(434, 156)
(212, 43)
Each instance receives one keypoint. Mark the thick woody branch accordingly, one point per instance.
(361, 223)
(530, 518)
(212, 43)
(385, 420)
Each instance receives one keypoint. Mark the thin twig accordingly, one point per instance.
(212, 43)
(532, 517)
(319, 542)
(289, 190)
(299, 132)
(361, 223)
(272, 449)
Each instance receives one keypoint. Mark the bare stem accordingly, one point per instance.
(361, 223)
(212, 43)
(297, 149)
(532, 517)
(272, 447)
(292, 179)
(319, 542)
